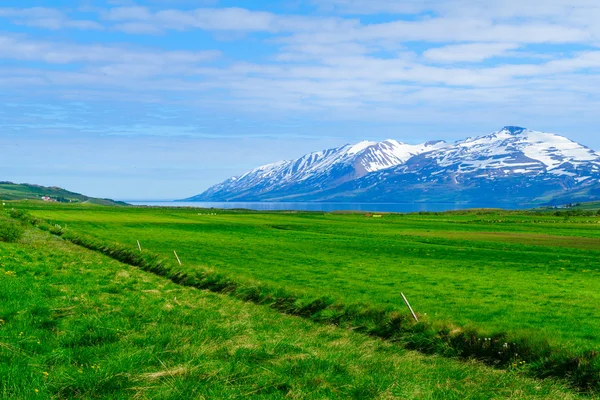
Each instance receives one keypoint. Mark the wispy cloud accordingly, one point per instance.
(220, 19)
(470, 52)
(47, 18)
(342, 67)
(564, 10)
(347, 77)
(21, 48)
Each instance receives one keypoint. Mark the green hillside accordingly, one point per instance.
(576, 208)
(14, 191)
(591, 206)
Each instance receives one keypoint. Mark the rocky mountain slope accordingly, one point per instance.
(316, 171)
(513, 165)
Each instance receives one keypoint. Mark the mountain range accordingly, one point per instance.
(514, 165)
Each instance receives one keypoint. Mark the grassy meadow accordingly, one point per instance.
(508, 288)
(534, 274)
(77, 324)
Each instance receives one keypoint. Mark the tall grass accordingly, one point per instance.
(10, 231)
(534, 356)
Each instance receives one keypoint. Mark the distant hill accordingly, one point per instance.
(23, 191)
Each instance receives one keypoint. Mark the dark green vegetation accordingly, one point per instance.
(585, 195)
(583, 207)
(573, 209)
(10, 231)
(13, 191)
(527, 281)
(77, 324)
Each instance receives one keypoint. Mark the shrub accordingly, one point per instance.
(10, 231)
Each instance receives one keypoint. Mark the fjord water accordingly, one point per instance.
(327, 207)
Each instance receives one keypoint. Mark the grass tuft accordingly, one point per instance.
(10, 231)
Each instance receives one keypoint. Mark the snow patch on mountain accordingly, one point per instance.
(514, 147)
(357, 148)
(511, 159)
(372, 156)
(553, 150)
(390, 153)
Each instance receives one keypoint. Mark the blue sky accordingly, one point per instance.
(161, 99)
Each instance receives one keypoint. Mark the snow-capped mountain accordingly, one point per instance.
(512, 165)
(515, 150)
(316, 171)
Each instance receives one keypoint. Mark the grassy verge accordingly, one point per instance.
(581, 370)
(78, 324)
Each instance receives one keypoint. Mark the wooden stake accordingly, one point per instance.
(139, 246)
(409, 307)
(177, 257)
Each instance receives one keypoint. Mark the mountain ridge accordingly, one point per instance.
(512, 164)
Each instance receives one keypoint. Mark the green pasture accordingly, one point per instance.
(532, 274)
(77, 324)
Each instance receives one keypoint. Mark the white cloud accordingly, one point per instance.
(46, 18)
(127, 13)
(348, 77)
(503, 21)
(446, 30)
(35, 12)
(20, 48)
(374, 6)
(477, 23)
(499, 9)
(224, 19)
(471, 52)
(340, 67)
(138, 28)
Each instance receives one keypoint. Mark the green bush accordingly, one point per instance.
(10, 231)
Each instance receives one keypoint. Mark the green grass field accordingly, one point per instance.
(534, 276)
(537, 274)
(77, 324)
